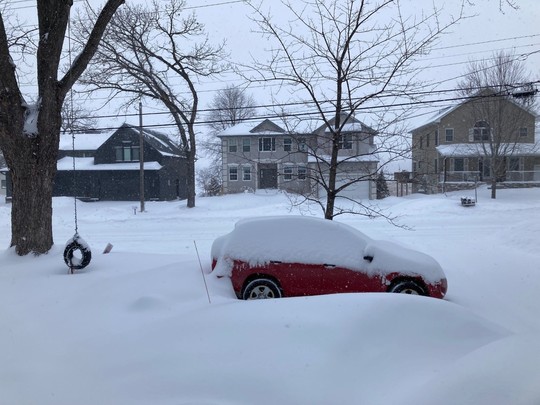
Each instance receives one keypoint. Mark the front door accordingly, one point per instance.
(268, 175)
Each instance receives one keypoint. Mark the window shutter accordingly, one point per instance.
(471, 134)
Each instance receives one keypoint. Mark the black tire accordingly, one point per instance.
(261, 288)
(77, 264)
(407, 287)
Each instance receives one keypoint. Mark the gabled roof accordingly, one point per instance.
(92, 141)
(253, 128)
(351, 125)
(85, 140)
(439, 115)
(159, 141)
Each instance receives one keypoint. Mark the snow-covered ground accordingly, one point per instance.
(136, 326)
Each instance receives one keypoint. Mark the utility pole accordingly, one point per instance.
(141, 157)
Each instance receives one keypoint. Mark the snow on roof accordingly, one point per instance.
(250, 128)
(84, 141)
(437, 116)
(93, 140)
(477, 149)
(300, 239)
(66, 164)
(341, 158)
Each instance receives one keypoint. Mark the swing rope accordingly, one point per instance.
(76, 243)
(71, 121)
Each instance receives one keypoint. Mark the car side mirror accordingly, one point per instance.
(368, 258)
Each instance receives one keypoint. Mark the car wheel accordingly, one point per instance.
(261, 288)
(407, 287)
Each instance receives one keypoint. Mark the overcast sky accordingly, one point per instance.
(487, 30)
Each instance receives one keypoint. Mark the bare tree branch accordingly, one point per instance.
(159, 52)
(341, 56)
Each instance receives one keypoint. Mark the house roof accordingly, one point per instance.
(85, 140)
(436, 117)
(351, 124)
(66, 164)
(268, 127)
(253, 128)
(476, 149)
(342, 159)
(94, 140)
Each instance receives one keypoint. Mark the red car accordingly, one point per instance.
(272, 257)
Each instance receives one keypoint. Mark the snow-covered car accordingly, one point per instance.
(286, 256)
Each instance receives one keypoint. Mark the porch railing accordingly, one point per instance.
(523, 176)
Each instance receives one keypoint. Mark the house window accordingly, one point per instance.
(3, 184)
(345, 141)
(233, 147)
(267, 144)
(481, 131)
(459, 164)
(246, 173)
(287, 172)
(246, 145)
(513, 164)
(523, 132)
(302, 172)
(287, 144)
(449, 134)
(302, 145)
(127, 153)
(233, 173)
(436, 137)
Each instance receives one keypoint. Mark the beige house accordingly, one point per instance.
(479, 140)
(263, 155)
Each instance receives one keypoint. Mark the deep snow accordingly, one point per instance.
(136, 326)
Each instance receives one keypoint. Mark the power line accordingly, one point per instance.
(308, 114)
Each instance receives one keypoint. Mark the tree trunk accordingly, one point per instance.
(190, 179)
(494, 187)
(31, 211)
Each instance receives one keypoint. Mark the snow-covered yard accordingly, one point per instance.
(136, 326)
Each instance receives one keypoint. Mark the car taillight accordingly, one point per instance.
(444, 286)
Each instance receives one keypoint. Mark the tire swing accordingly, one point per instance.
(73, 261)
(77, 254)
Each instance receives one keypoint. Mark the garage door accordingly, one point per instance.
(356, 191)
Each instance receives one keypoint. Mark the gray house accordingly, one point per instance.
(263, 155)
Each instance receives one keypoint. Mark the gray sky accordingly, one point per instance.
(487, 30)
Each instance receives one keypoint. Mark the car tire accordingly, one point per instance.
(261, 288)
(407, 287)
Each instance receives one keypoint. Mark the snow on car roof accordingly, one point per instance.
(299, 239)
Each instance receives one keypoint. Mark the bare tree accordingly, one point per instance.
(210, 180)
(29, 130)
(496, 114)
(341, 56)
(76, 118)
(229, 107)
(159, 52)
